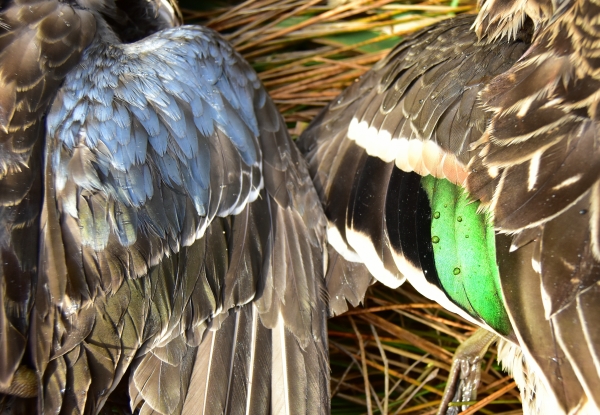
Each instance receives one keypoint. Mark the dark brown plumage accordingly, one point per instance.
(510, 117)
(36, 55)
(539, 169)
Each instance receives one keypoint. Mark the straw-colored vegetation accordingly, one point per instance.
(393, 355)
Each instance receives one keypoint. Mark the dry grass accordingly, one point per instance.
(393, 355)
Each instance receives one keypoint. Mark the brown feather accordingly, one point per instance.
(22, 44)
(525, 120)
(537, 337)
(347, 282)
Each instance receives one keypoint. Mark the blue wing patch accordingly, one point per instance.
(176, 109)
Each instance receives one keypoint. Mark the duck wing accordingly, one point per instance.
(392, 155)
(415, 114)
(181, 238)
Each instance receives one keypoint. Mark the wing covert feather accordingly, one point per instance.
(416, 110)
(516, 124)
(175, 202)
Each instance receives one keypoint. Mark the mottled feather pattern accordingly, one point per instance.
(174, 203)
(424, 92)
(39, 44)
(499, 19)
(525, 121)
(529, 172)
(522, 129)
(554, 87)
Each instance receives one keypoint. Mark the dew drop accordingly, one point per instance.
(456, 271)
(445, 205)
(436, 215)
(459, 219)
(435, 239)
(420, 101)
(583, 211)
(467, 236)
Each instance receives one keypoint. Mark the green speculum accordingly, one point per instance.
(464, 250)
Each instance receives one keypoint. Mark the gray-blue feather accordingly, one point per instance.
(152, 230)
(176, 109)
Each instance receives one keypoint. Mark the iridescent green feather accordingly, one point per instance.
(465, 253)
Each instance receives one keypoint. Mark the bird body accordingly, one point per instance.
(414, 176)
(174, 241)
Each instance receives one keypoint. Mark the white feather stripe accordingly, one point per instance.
(280, 382)
(433, 157)
(377, 143)
(359, 132)
(498, 190)
(415, 276)
(534, 169)
(394, 148)
(415, 157)
(335, 239)
(402, 161)
(423, 157)
(362, 243)
(568, 182)
(454, 170)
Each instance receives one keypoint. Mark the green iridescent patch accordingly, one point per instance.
(464, 249)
